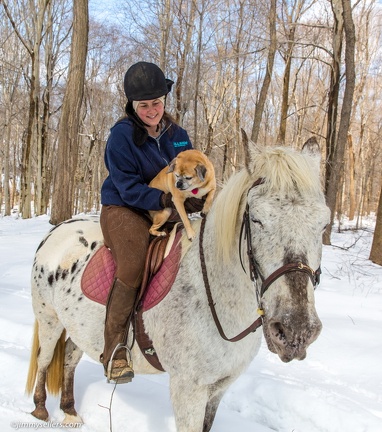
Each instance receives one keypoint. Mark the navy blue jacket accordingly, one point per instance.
(131, 168)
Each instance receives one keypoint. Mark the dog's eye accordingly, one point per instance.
(188, 178)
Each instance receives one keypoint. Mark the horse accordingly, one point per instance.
(255, 262)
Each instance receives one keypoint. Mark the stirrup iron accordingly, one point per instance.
(123, 379)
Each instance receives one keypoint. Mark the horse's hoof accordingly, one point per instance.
(70, 419)
(41, 413)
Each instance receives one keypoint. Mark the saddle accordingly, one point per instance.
(158, 276)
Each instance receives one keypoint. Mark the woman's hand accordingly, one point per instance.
(191, 205)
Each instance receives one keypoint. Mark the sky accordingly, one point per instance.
(337, 388)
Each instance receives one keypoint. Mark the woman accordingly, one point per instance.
(139, 146)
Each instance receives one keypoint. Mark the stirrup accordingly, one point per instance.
(124, 378)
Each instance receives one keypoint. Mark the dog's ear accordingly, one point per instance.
(171, 167)
(201, 171)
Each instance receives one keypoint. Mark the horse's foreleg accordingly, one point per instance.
(216, 392)
(189, 402)
(72, 356)
(212, 407)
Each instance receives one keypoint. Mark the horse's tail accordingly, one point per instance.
(55, 372)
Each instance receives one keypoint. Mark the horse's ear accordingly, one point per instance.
(247, 152)
(311, 146)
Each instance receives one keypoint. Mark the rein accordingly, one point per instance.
(254, 274)
(253, 327)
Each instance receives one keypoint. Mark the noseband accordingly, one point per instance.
(254, 273)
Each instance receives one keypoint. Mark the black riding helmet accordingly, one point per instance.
(145, 81)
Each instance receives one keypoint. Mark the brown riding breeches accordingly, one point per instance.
(126, 234)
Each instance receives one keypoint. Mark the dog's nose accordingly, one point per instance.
(179, 184)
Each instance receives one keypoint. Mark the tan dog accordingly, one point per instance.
(190, 174)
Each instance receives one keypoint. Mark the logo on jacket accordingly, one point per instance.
(180, 143)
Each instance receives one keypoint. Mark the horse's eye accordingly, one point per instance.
(256, 221)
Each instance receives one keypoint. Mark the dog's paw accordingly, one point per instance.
(191, 235)
(157, 233)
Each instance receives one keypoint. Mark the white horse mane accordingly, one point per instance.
(283, 170)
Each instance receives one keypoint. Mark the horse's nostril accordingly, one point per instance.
(277, 332)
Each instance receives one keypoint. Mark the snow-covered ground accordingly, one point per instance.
(337, 388)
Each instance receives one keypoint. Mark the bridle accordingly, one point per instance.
(254, 273)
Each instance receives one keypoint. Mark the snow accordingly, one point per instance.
(337, 388)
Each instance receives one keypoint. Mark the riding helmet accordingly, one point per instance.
(145, 81)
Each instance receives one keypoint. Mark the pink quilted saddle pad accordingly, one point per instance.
(99, 273)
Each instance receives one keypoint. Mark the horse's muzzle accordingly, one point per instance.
(288, 342)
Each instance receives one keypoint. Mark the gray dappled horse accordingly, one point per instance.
(261, 244)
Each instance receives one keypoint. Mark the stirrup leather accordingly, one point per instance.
(125, 377)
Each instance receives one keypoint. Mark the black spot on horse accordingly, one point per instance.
(68, 291)
(74, 267)
(93, 245)
(80, 298)
(83, 241)
(51, 279)
(64, 274)
(58, 273)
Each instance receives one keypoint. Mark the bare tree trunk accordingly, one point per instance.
(345, 116)
(351, 173)
(33, 134)
(7, 139)
(68, 135)
(335, 77)
(268, 73)
(197, 74)
(42, 188)
(165, 25)
(285, 94)
(183, 55)
(376, 247)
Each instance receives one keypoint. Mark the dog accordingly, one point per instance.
(190, 174)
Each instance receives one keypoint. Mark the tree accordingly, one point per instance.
(268, 73)
(376, 247)
(68, 134)
(32, 42)
(292, 12)
(342, 137)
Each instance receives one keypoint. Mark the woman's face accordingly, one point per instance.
(150, 111)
